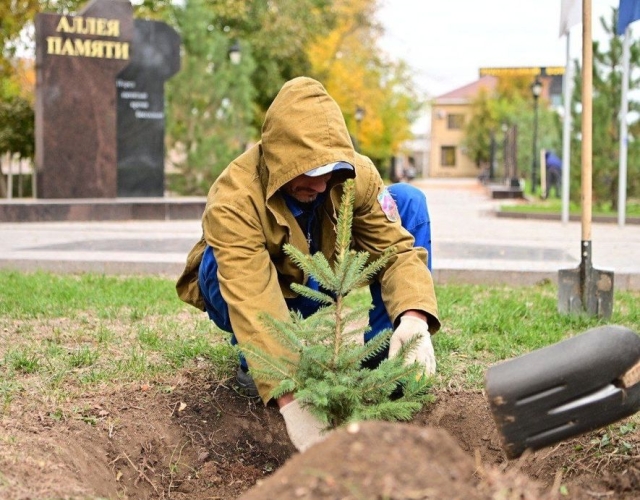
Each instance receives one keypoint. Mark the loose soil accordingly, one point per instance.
(204, 440)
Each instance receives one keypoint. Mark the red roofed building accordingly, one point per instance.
(449, 114)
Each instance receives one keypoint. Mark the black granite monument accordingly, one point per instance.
(140, 94)
(100, 102)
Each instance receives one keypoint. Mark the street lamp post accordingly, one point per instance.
(506, 167)
(492, 155)
(536, 90)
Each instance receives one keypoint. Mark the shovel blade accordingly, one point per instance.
(563, 390)
(585, 290)
(569, 291)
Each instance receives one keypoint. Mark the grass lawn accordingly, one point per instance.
(554, 206)
(60, 335)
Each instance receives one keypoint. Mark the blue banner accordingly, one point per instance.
(628, 12)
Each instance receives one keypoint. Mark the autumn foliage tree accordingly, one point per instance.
(357, 74)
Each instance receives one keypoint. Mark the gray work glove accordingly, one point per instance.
(303, 427)
(423, 353)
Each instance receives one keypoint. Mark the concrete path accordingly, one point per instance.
(470, 244)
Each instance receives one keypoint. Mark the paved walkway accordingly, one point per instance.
(470, 244)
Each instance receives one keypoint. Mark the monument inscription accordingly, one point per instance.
(86, 47)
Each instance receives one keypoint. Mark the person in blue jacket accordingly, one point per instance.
(554, 173)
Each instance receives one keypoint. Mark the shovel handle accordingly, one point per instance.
(587, 120)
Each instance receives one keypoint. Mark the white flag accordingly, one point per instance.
(570, 15)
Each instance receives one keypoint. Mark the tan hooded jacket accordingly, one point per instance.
(247, 222)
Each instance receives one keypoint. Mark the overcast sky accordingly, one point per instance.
(446, 41)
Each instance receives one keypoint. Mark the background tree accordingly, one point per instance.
(521, 112)
(511, 103)
(209, 101)
(607, 94)
(16, 133)
(16, 26)
(14, 15)
(485, 121)
(279, 34)
(17, 137)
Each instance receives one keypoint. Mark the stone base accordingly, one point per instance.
(108, 209)
(505, 192)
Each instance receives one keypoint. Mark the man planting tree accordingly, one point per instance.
(287, 189)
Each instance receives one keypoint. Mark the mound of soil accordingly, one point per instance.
(390, 461)
(203, 440)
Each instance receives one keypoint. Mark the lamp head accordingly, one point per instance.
(235, 53)
(536, 88)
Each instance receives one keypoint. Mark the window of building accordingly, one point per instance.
(448, 156)
(455, 121)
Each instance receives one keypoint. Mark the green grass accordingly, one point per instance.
(554, 206)
(64, 335)
(483, 325)
(45, 295)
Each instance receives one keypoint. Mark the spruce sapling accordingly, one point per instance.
(325, 370)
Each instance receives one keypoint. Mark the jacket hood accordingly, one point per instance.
(303, 129)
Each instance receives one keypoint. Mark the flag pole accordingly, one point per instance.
(624, 108)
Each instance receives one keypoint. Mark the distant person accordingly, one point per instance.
(554, 173)
(396, 172)
(410, 171)
(287, 189)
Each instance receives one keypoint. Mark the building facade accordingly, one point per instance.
(451, 112)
